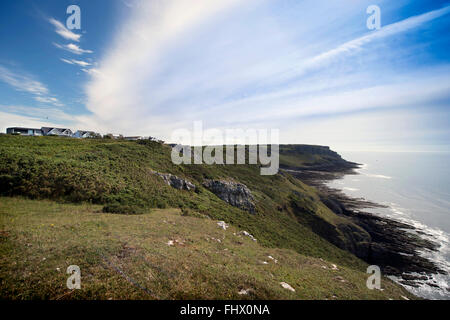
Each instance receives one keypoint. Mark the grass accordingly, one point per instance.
(106, 197)
(118, 173)
(128, 257)
(298, 156)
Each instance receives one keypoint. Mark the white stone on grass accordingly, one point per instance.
(287, 286)
(244, 292)
(245, 233)
(222, 225)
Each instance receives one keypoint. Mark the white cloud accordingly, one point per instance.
(63, 31)
(26, 83)
(40, 113)
(49, 100)
(376, 130)
(32, 117)
(152, 27)
(73, 48)
(355, 45)
(419, 90)
(92, 71)
(174, 62)
(77, 62)
(22, 82)
(128, 4)
(386, 31)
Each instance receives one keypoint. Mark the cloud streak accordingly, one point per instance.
(63, 31)
(22, 82)
(26, 83)
(76, 62)
(73, 48)
(174, 62)
(386, 31)
(151, 27)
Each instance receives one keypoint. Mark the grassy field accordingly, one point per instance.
(128, 257)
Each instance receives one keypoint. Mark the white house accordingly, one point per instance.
(85, 134)
(135, 138)
(63, 132)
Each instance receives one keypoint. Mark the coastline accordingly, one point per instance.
(395, 246)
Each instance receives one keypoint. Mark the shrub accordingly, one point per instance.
(122, 209)
(188, 212)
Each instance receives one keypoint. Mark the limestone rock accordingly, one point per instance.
(235, 194)
(222, 225)
(176, 182)
(287, 286)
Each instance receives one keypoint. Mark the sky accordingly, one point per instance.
(311, 69)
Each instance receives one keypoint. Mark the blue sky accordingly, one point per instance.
(311, 69)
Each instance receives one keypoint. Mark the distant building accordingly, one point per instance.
(85, 134)
(24, 131)
(134, 138)
(113, 136)
(63, 132)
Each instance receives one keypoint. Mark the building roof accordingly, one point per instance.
(22, 128)
(47, 129)
(84, 131)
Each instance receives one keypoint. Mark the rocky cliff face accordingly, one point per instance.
(235, 194)
(176, 182)
(341, 232)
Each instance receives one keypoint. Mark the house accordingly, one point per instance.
(113, 136)
(134, 138)
(85, 134)
(24, 131)
(63, 132)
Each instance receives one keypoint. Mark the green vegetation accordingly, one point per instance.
(299, 156)
(128, 257)
(116, 176)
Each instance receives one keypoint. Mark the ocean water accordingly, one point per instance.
(416, 189)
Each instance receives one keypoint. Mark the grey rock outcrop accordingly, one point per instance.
(176, 182)
(235, 194)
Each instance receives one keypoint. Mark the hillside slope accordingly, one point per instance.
(157, 255)
(125, 176)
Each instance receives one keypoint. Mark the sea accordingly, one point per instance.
(415, 187)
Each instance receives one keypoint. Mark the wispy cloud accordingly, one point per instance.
(73, 48)
(77, 62)
(22, 82)
(386, 31)
(128, 4)
(174, 62)
(354, 46)
(32, 117)
(26, 83)
(49, 100)
(40, 113)
(92, 71)
(63, 31)
(152, 27)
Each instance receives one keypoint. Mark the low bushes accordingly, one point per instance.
(122, 209)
